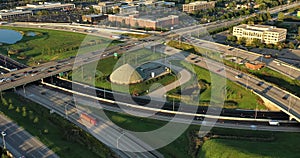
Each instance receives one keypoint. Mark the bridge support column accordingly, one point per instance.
(291, 117)
(15, 90)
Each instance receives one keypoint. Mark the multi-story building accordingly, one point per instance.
(14, 14)
(47, 6)
(127, 9)
(93, 18)
(198, 5)
(105, 7)
(264, 33)
(145, 22)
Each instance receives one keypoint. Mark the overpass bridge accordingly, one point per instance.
(27, 75)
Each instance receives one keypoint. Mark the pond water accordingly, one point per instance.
(30, 34)
(9, 36)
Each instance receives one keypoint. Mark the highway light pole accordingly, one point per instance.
(66, 113)
(24, 89)
(118, 142)
(3, 135)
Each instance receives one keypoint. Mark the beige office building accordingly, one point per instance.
(266, 34)
(198, 5)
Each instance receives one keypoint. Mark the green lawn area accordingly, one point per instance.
(236, 96)
(106, 66)
(52, 130)
(280, 144)
(50, 45)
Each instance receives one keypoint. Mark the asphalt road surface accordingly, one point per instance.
(21, 143)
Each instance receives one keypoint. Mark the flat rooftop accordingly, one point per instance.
(260, 28)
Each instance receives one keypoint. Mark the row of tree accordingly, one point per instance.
(256, 43)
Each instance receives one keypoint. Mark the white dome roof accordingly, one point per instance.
(126, 74)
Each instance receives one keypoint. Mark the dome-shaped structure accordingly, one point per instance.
(126, 74)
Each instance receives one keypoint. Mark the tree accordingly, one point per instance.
(291, 45)
(269, 16)
(280, 16)
(10, 107)
(241, 41)
(17, 109)
(280, 45)
(231, 38)
(36, 120)
(256, 42)
(24, 114)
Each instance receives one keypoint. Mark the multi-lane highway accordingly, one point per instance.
(21, 143)
(106, 132)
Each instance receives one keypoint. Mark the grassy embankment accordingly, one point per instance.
(269, 75)
(236, 96)
(49, 45)
(61, 136)
(226, 142)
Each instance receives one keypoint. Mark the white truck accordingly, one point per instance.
(273, 123)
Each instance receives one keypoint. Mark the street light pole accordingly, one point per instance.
(24, 89)
(118, 142)
(66, 113)
(3, 135)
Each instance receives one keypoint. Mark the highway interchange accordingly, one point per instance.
(31, 74)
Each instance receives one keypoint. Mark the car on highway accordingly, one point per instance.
(273, 123)
(260, 83)
(239, 76)
(286, 96)
(219, 70)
